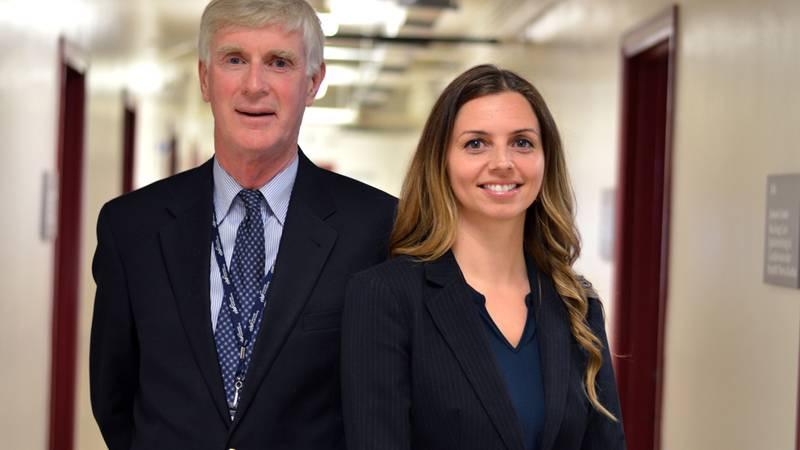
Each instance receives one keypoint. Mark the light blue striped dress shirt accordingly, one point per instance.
(230, 213)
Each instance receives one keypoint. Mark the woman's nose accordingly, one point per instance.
(501, 159)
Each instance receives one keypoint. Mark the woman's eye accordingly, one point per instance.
(473, 144)
(522, 142)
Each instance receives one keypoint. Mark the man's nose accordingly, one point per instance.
(255, 82)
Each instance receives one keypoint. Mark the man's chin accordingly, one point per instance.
(264, 148)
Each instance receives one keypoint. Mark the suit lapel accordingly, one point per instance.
(305, 245)
(186, 244)
(449, 305)
(556, 353)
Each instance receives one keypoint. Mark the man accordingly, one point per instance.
(219, 290)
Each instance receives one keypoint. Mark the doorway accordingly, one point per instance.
(128, 142)
(172, 150)
(642, 233)
(66, 267)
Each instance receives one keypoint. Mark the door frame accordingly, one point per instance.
(70, 152)
(660, 29)
(129, 116)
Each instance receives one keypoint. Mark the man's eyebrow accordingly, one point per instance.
(233, 48)
(225, 49)
(285, 54)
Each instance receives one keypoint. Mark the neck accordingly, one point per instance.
(491, 252)
(254, 171)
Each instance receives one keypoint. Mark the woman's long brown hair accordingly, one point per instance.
(427, 214)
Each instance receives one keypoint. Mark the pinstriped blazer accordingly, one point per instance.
(418, 373)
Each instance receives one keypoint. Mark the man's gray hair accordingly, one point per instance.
(291, 15)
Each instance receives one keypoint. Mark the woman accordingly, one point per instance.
(478, 334)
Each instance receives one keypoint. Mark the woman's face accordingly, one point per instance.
(495, 160)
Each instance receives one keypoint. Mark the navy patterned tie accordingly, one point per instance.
(247, 270)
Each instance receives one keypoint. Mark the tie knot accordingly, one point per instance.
(252, 200)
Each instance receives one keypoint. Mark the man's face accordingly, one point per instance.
(256, 82)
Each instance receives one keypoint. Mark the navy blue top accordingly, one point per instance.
(521, 370)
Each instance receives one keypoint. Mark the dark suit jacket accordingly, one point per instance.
(418, 373)
(154, 376)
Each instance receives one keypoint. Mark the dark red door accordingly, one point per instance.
(642, 233)
(173, 154)
(128, 144)
(67, 253)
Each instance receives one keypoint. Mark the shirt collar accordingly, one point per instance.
(276, 192)
(481, 300)
(533, 281)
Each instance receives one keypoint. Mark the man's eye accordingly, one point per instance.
(280, 63)
(235, 60)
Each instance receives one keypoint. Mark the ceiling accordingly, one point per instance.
(385, 61)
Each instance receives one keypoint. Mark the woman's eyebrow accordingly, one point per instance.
(524, 130)
(484, 133)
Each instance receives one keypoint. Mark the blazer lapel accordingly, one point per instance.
(450, 307)
(556, 352)
(305, 245)
(186, 246)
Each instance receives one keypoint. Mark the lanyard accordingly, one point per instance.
(244, 325)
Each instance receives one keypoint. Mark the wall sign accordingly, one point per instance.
(782, 231)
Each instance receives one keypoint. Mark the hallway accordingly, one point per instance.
(731, 342)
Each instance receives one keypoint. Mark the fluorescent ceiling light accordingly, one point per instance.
(143, 77)
(51, 16)
(341, 75)
(147, 77)
(330, 26)
(316, 115)
(322, 91)
(384, 15)
(354, 54)
(555, 20)
(337, 74)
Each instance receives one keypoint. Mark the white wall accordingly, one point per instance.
(156, 123)
(731, 340)
(28, 125)
(376, 158)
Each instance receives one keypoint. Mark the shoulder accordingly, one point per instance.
(588, 289)
(362, 211)
(398, 280)
(392, 288)
(148, 205)
(397, 274)
(596, 314)
(343, 187)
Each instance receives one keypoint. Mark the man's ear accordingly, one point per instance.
(316, 82)
(202, 72)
